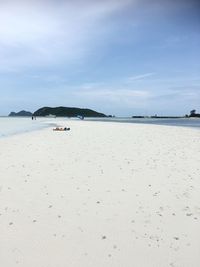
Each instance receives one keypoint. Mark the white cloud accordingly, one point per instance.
(49, 32)
(140, 77)
(113, 93)
(107, 94)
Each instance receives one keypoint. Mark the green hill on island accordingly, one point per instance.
(67, 112)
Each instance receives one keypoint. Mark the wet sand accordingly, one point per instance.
(101, 195)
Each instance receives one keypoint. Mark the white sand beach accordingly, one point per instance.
(101, 195)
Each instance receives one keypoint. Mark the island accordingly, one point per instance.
(22, 113)
(67, 112)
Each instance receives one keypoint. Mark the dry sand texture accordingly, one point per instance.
(101, 195)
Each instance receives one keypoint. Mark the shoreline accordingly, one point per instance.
(103, 195)
(62, 123)
(59, 121)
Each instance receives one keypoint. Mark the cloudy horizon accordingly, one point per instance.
(125, 57)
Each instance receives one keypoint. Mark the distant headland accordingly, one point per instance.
(192, 114)
(22, 113)
(60, 112)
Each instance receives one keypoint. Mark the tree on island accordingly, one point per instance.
(193, 112)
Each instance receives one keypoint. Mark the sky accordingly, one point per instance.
(119, 57)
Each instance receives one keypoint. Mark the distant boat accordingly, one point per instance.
(80, 117)
(50, 116)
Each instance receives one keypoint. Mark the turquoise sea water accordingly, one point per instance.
(11, 126)
(16, 125)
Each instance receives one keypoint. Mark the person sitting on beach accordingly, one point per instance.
(61, 129)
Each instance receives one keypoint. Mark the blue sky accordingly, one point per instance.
(125, 57)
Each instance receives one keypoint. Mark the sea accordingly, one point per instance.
(183, 122)
(16, 125)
